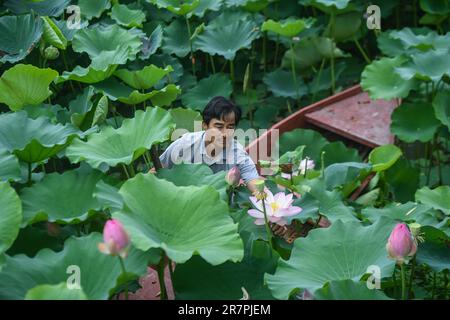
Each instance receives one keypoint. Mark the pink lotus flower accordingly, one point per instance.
(277, 207)
(401, 244)
(115, 239)
(233, 177)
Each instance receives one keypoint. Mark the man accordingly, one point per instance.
(215, 145)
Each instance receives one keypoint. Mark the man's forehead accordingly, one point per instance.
(227, 118)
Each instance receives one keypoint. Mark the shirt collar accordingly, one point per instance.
(206, 157)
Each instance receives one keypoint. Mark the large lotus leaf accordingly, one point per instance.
(125, 144)
(62, 198)
(205, 5)
(310, 51)
(428, 66)
(403, 180)
(343, 251)
(115, 90)
(18, 36)
(99, 274)
(215, 85)
(9, 167)
(345, 175)
(107, 45)
(227, 39)
(93, 9)
(186, 174)
(53, 35)
(282, 84)
(335, 6)
(33, 140)
(80, 106)
(406, 212)
(87, 75)
(345, 27)
(52, 8)
(177, 6)
(337, 152)
(414, 121)
(54, 292)
(150, 45)
(389, 46)
(381, 81)
(428, 40)
(435, 6)
(108, 195)
(186, 118)
(441, 107)
(348, 290)
(67, 30)
(144, 78)
(434, 254)
(438, 198)
(25, 84)
(384, 157)
(313, 141)
(126, 16)
(10, 217)
(287, 28)
(198, 280)
(183, 221)
(176, 39)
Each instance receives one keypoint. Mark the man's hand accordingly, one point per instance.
(251, 185)
(152, 170)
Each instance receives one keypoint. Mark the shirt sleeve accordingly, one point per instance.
(246, 165)
(170, 154)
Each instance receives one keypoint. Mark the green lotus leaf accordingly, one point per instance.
(442, 107)
(438, 198)
(123, 145)
(182, 221)
(18, 36)
(435, 6)
(434, 254)
(62, 198)
(108, 195)
(93, 9)
(198, 280)
(313, 141)
(349, 290)
(346, 175)
(337, 152)
(205, 5)
(287, 28)
(217, 84)
(333, 6)
(10, 217)
(228, 39)
(188, 174)
(150, 45)
(384, 157)
(144, 78)
(422, 40)
(126, 16)
(24, 84)
(346, 27)
(381, 80)
(414, 121)
(52, 8)
(176, 6)
(310, 51)
(87, 75)
(406, 212)
(67, 29)
(115, 90)
(99, 274)
(54, 292)
(282, 84)
(53, 35)
(9, 167)
(389, 46)
(348, 248)
(33, 140)
(429, 66)
(403, 180)
(101, 111)
(80, 106)
(176, 39)
(185, 118)
(107, 45)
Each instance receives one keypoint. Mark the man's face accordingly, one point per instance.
(219, 132)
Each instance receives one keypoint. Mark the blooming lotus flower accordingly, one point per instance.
(115, 239)
(233, 177)
(277, 207)
(401, 244)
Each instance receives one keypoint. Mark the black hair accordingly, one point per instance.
(218, 107)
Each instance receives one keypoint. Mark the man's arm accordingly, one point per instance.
(248, 170)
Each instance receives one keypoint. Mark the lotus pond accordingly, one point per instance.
(91, 92)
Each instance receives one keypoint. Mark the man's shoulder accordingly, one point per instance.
(191, 137)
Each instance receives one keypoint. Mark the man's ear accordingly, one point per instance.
(204, 125)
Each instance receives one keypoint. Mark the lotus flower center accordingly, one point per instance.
(274, 206)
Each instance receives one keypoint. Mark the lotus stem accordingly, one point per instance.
(190, 44)
(363, 53)
(126, 171)
(294, 76)
(438, 157)
(155, 158)
(162, 284)
(232, 71)
(124, 271)
(402, 270)
(29, 174)
(319, 75)
(266, 222)
(433, 290)
(276, 51)
(411, 277)
(333, 85)
(131, 170)
(213, 66)
(264, 51)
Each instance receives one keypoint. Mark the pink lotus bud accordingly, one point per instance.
(401, 244)
(115, 239)
(233, 176)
